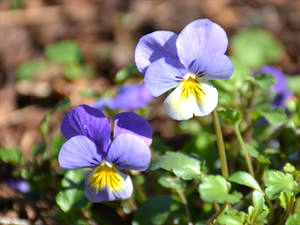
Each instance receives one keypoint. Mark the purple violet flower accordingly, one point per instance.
(19, 185)
(89, 146)
(128, 97)
(185, 62)
(280, 87)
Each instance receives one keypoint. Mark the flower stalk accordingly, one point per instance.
(220, 143)
(245, 151)
(185, 204)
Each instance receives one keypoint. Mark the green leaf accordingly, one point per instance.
(240, 76)
(232, 217)
(265, 80)
(293, 219)
(38, 149)
(64, 52)
(123, 74)
(246, 179)
(271, 151)
(90, 92)
(16, 4)
(28, 70)
(289, 168)
(216, 188)
(45, 124)
(284, 199)
(73, 218)
(160, 145)
(258, 201)
(72, 71)
(72, 195)
(253, 152)
(256, 47)
(294, 83)
(275, 116)
(182, 165)
(231, 116)
(56, 144)
(11, 155)
(192, 127)
(277, 182)
(61, 105)
(154, 211)
(261, 158)
(172, 182)
(260, 211)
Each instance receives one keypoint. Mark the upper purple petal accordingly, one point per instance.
(102, 103)
(161, 77)
(108, 195)
(79, 152)
(128, 152)
(128, 97)
(280, 85)
(283, 93)
(212, 67)
(129, 122)
(200, 37)
(87, 121)
(153, 46)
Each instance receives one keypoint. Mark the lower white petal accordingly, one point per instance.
(107, 194)
(183, 108)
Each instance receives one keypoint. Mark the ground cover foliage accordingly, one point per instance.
(185, 183)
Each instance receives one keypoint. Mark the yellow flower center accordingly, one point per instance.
(191, 86)
(105, 174)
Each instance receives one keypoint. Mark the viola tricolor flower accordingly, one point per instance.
(185, 62)
(89, 145)
(19, 185)
(128, 97)
(280, 87)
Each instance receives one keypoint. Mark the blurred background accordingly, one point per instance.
(52, 49)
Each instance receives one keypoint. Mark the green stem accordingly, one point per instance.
(217, 207)
(220, 142)
(187, 211)
(245, 151)
(140, 194)
(211, 220)
(132, 203)
(47, 144)
(270, 205)
(288, 210)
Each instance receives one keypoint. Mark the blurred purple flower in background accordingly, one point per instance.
(19, 185)
(280, 87)
(185, 62)
(90, 146)
(128, 97)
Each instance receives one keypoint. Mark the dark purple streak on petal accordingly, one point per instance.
(212, 67)
(87, 121)
(161, 77)
(108, 195)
